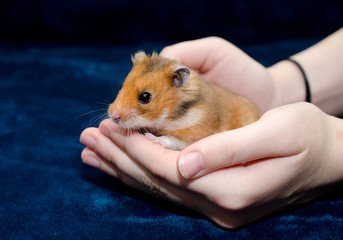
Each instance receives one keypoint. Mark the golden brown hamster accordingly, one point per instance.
(174, 106)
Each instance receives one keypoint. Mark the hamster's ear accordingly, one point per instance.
(181, 76)
(139, 56)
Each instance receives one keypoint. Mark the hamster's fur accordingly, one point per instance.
(174, 106)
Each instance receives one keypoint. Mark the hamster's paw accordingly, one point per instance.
(154, 139)
(167, 141)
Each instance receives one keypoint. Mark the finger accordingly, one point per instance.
(200, 55)
(113, 161)
(265, 138)
(139, 174)
(103, 148)
(160, 162)
(90, 158)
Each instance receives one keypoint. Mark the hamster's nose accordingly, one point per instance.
(115, 117)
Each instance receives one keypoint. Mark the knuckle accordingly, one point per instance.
(229, 222)
(156, 173)
(152, 188)
(166, 50)
(236, 203)
(112, 158)
(228, 147)
(216, 39)
(222, 153)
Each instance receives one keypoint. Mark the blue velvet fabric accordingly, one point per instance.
(55, 81)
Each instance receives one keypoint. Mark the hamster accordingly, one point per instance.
(173, 106)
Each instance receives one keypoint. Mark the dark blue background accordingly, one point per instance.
(134, 21)
(62, 62)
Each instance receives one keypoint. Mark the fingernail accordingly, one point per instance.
(191, 164)
(91, 161)
(89, 141)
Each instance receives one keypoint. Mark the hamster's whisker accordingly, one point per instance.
(97, 119)
(79, 112)
(102, 101)
(94, 111)
(128, 128)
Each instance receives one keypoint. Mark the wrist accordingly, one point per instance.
(289, 84)
(326, 83)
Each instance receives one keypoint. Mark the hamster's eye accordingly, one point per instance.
(144, 97)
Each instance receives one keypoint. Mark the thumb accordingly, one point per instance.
(258, 140)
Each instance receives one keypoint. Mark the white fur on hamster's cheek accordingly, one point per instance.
(136, 122)
(191, 118)
(158, 123)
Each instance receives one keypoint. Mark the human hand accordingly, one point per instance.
(283, 159)
(223, 64)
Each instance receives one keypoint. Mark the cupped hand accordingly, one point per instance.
(223, 64)
(283, 159)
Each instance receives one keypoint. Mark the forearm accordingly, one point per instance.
(337, 151)
(323, 65)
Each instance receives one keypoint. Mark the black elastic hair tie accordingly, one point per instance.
(307, 85)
